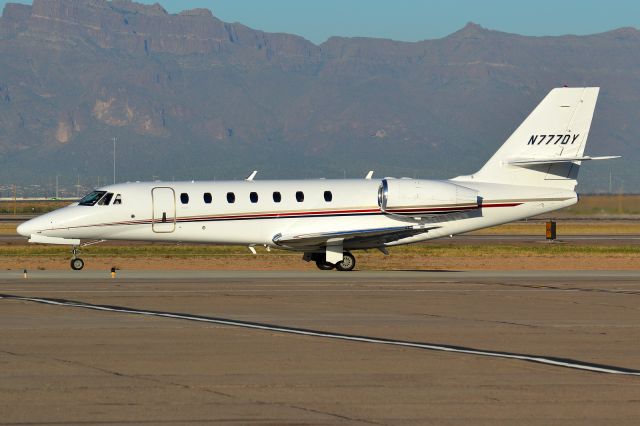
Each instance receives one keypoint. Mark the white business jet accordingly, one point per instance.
(534, 172)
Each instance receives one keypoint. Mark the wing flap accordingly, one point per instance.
(375, 236)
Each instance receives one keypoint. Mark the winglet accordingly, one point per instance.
(252, 175)
(369, 175)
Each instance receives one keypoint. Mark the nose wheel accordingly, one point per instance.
(76, 263)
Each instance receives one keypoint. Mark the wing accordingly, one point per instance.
(355, 238)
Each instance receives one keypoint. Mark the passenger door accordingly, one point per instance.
(164, 209)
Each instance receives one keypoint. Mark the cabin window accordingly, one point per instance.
(118, 200)
(184, 198)
(92, 198)
(231, 197)
(106, 199)
(207, 197)
(253, 197)
(277, 197)
(328, 196)
(300, 196)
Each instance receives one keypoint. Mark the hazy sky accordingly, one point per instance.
(412, 20)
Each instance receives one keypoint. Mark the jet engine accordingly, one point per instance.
(419, 198)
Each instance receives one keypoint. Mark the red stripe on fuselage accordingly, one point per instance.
(302, 214)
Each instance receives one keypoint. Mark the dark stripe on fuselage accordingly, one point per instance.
(295, 215)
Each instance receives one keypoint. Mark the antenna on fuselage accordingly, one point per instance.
(369, 175)
(252, 175)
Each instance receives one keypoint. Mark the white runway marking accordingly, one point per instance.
(553, 361)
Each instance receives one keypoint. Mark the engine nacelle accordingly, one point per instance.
(419, 198)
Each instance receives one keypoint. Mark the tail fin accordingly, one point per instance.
(548, 147)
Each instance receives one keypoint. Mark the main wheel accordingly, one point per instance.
(77, 264)
(324, 266)
(347, 264)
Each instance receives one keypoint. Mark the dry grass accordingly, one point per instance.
(566, 227)
(433, 249)
(531, 256)
(438, 254)
(30, 207)
(8, 228)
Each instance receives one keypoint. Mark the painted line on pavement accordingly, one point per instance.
(540, 359)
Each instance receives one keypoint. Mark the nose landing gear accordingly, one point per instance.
(76, 263)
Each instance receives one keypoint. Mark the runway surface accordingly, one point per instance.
(407, 347)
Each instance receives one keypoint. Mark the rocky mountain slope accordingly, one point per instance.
(189, 96)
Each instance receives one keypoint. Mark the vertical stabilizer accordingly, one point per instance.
(547, 147)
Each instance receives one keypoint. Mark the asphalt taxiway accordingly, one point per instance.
(250, 347)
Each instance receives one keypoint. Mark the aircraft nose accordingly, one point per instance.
(26, 228)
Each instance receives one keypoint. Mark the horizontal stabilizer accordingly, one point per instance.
(555, 160)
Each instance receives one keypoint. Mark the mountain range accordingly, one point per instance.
(189, 96)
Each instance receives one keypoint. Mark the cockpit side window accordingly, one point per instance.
(106, 199)
(117, 200)
(92, 198)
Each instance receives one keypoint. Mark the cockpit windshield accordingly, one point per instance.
(92, 198)
(106, 199)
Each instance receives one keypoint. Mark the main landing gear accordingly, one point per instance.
(76, 263)
(347, 264)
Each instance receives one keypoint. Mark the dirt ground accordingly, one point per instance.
(365, 261)
(516, 246)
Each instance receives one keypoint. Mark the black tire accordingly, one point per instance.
(347, 264)
(77, 264)
(324, 266)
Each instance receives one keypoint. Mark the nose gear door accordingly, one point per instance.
(163, 218)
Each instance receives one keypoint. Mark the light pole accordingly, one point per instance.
(114, 159)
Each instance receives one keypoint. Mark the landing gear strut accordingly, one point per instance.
(76, 263)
